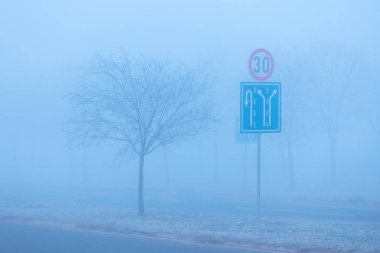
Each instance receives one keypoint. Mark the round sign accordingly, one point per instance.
(260, 64)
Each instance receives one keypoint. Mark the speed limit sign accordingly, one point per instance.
(261, 64)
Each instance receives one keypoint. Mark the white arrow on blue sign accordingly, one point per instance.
(260, 107)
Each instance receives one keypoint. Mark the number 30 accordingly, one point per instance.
(265, 64)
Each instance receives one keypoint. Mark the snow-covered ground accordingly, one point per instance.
(292, 233)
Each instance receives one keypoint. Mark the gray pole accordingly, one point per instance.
(258, 176)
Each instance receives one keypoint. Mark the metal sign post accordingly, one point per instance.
(260, 112)
(259, 176)
(260, 106)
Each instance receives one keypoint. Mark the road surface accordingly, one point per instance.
(16, 237)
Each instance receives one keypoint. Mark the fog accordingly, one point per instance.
(326, 58)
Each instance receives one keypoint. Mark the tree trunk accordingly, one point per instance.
(166, 164)
(216, 162)
(84, 167)
(290, 166)
(332, 161)
(141, 184)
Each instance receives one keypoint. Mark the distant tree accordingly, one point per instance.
(141, 105)
(334, 66)
(215, 157)
(375, 120)
(296, 88)
(374, 94)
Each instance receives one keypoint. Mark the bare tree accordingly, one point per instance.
(292, 71)
(375, 120)
(333, 72)
(142, 105)
(374, 91)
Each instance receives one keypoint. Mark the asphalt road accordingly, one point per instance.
(37, 238)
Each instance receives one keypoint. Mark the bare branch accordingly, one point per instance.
(143, 104)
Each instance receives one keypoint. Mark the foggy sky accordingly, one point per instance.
(45, 46)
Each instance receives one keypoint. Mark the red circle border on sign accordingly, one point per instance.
(260, 50)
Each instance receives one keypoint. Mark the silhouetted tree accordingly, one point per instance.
(333, 77)
(143, 105)
(296, 89)
(374, 104)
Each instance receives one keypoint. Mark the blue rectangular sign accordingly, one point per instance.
(260, 107)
